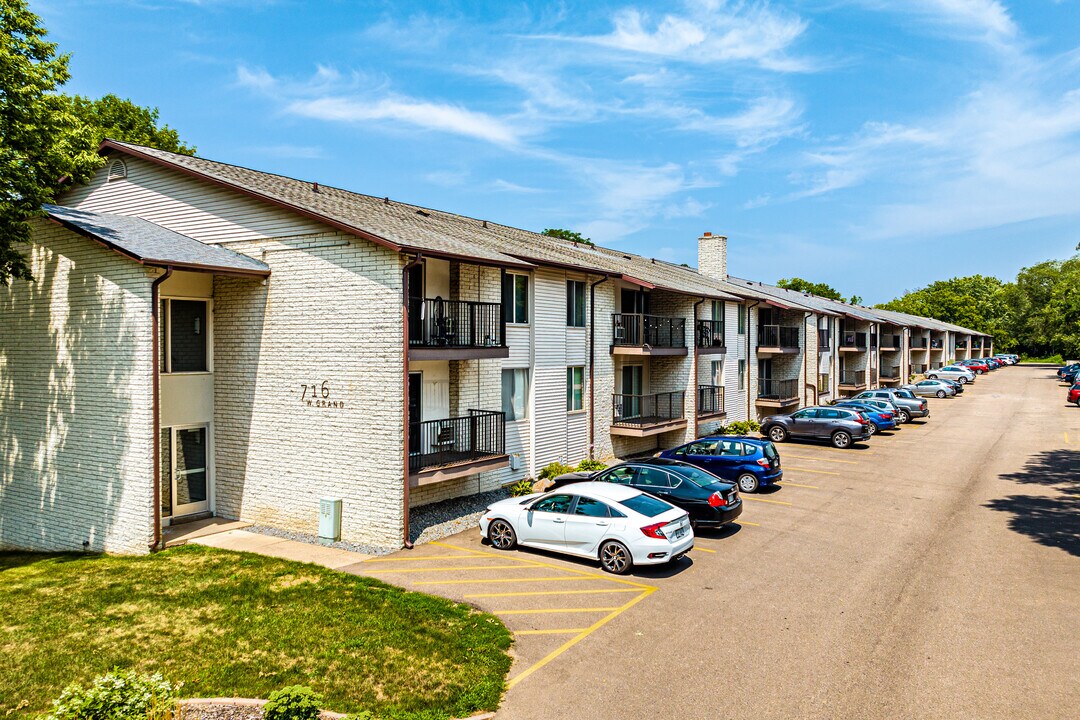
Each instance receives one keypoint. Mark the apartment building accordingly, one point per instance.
(205, 339)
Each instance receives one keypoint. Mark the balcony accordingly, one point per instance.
(853, 380)
(852, 341)
(710, 401)
(891, 343)
(824, 342)
(961, 344)
(777, 340)
(637, 334)
(645, 415)
(918, 343)
(710, 337)
(455, 330)
(890, 374)
(777, 393)
(937, 344)
(976, 344)
(456, 447)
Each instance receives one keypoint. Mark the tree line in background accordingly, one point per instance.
(48, 138)
(1037, 314)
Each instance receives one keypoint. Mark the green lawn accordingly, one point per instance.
(235, 624)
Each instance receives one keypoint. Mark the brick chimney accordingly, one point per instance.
(712, 256)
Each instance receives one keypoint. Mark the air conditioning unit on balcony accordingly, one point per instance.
(620, 332)
(515, 461)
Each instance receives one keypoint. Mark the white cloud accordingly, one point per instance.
(985, 16)
(709, 31)
(500, 185)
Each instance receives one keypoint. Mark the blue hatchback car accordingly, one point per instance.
(748, 462)
(879, 419)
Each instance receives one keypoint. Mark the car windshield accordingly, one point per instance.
(770, 451)
(695, 475)
(646, 505)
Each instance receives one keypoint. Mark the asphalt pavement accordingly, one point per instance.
(933, 572)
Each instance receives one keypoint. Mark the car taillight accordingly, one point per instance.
(860, 419)
(717, 500)
(887, 416)
(654, 531)
(763, 462)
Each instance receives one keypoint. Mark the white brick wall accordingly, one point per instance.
(76, 430)
(331, 311)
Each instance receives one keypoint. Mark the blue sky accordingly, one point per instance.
(876, 145)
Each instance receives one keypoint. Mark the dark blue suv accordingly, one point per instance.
(749, 462)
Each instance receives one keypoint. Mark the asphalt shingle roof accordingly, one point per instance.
(152, 244)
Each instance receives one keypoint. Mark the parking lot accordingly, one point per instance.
(929, 572)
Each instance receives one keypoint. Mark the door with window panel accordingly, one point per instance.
(185, 480)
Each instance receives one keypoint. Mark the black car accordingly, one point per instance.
(710, 501)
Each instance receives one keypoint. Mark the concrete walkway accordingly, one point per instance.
(245, 541)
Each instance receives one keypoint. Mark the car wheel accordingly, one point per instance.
(615, 558)
(904, 416)
(941, 393)
(978, 372)
(748, 483)
(962, 381)
(777, 434)
(502, 535)
(873, 429)
(1078, 403)
(841, 439)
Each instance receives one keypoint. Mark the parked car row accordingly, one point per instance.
(1071, 374)
(646, 511)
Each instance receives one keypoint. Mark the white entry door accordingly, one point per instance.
(185, 474)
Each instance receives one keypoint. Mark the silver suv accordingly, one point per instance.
(907, 405)
(839, 425)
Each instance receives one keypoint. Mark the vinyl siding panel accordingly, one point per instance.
(187, 205)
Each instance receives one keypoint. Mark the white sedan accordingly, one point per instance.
(616, 524)
(931, 388)
(952, 372)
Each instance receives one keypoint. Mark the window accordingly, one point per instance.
(730, 448)
(823, 382)
(742, 374)
(717, 372)
(591, 508)
(702, 447)
(742, 319)
(646, 505)
(554, 504)
(515, 393)
(651, 477)
(516, 298)
(575, 303)
(806, 414)
(828, 414)
(620, 475)
(183, 336)
(575, 382)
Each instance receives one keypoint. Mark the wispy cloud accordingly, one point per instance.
(707, 31)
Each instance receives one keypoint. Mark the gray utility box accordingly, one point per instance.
(329, 520)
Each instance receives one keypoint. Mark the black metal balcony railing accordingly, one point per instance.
(710, 399)
(454, 323)
(853, 378)
(449, 441)
(644, 410)
(823, 339)
(890, 342)
(936, 344)
(710, 334)
(778, 336)
(637, 330)
(769, 389)
(853, 340)
(918, 343)
(890, 373)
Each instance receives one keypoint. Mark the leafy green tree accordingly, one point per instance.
(119, 119)
(805, 286)
(40, 140)
(977, 302)
(1044, 308)
(567, 235)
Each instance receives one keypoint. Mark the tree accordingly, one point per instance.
(805, 286)
(1044, 308)
(39, 139)
(977, 302)
(119, 119)
(567, 235)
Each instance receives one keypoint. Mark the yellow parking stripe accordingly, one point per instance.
(764, 500)
(743, 522)
(452, 569)
(578, 638)
(560, 631)
(788, 482)
(550, 592)
(810, 470)
(489, 581)
(821, 459)
(547, 611)
(698, 547)
(424, 557)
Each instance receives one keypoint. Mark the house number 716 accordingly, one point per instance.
(322, 390)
